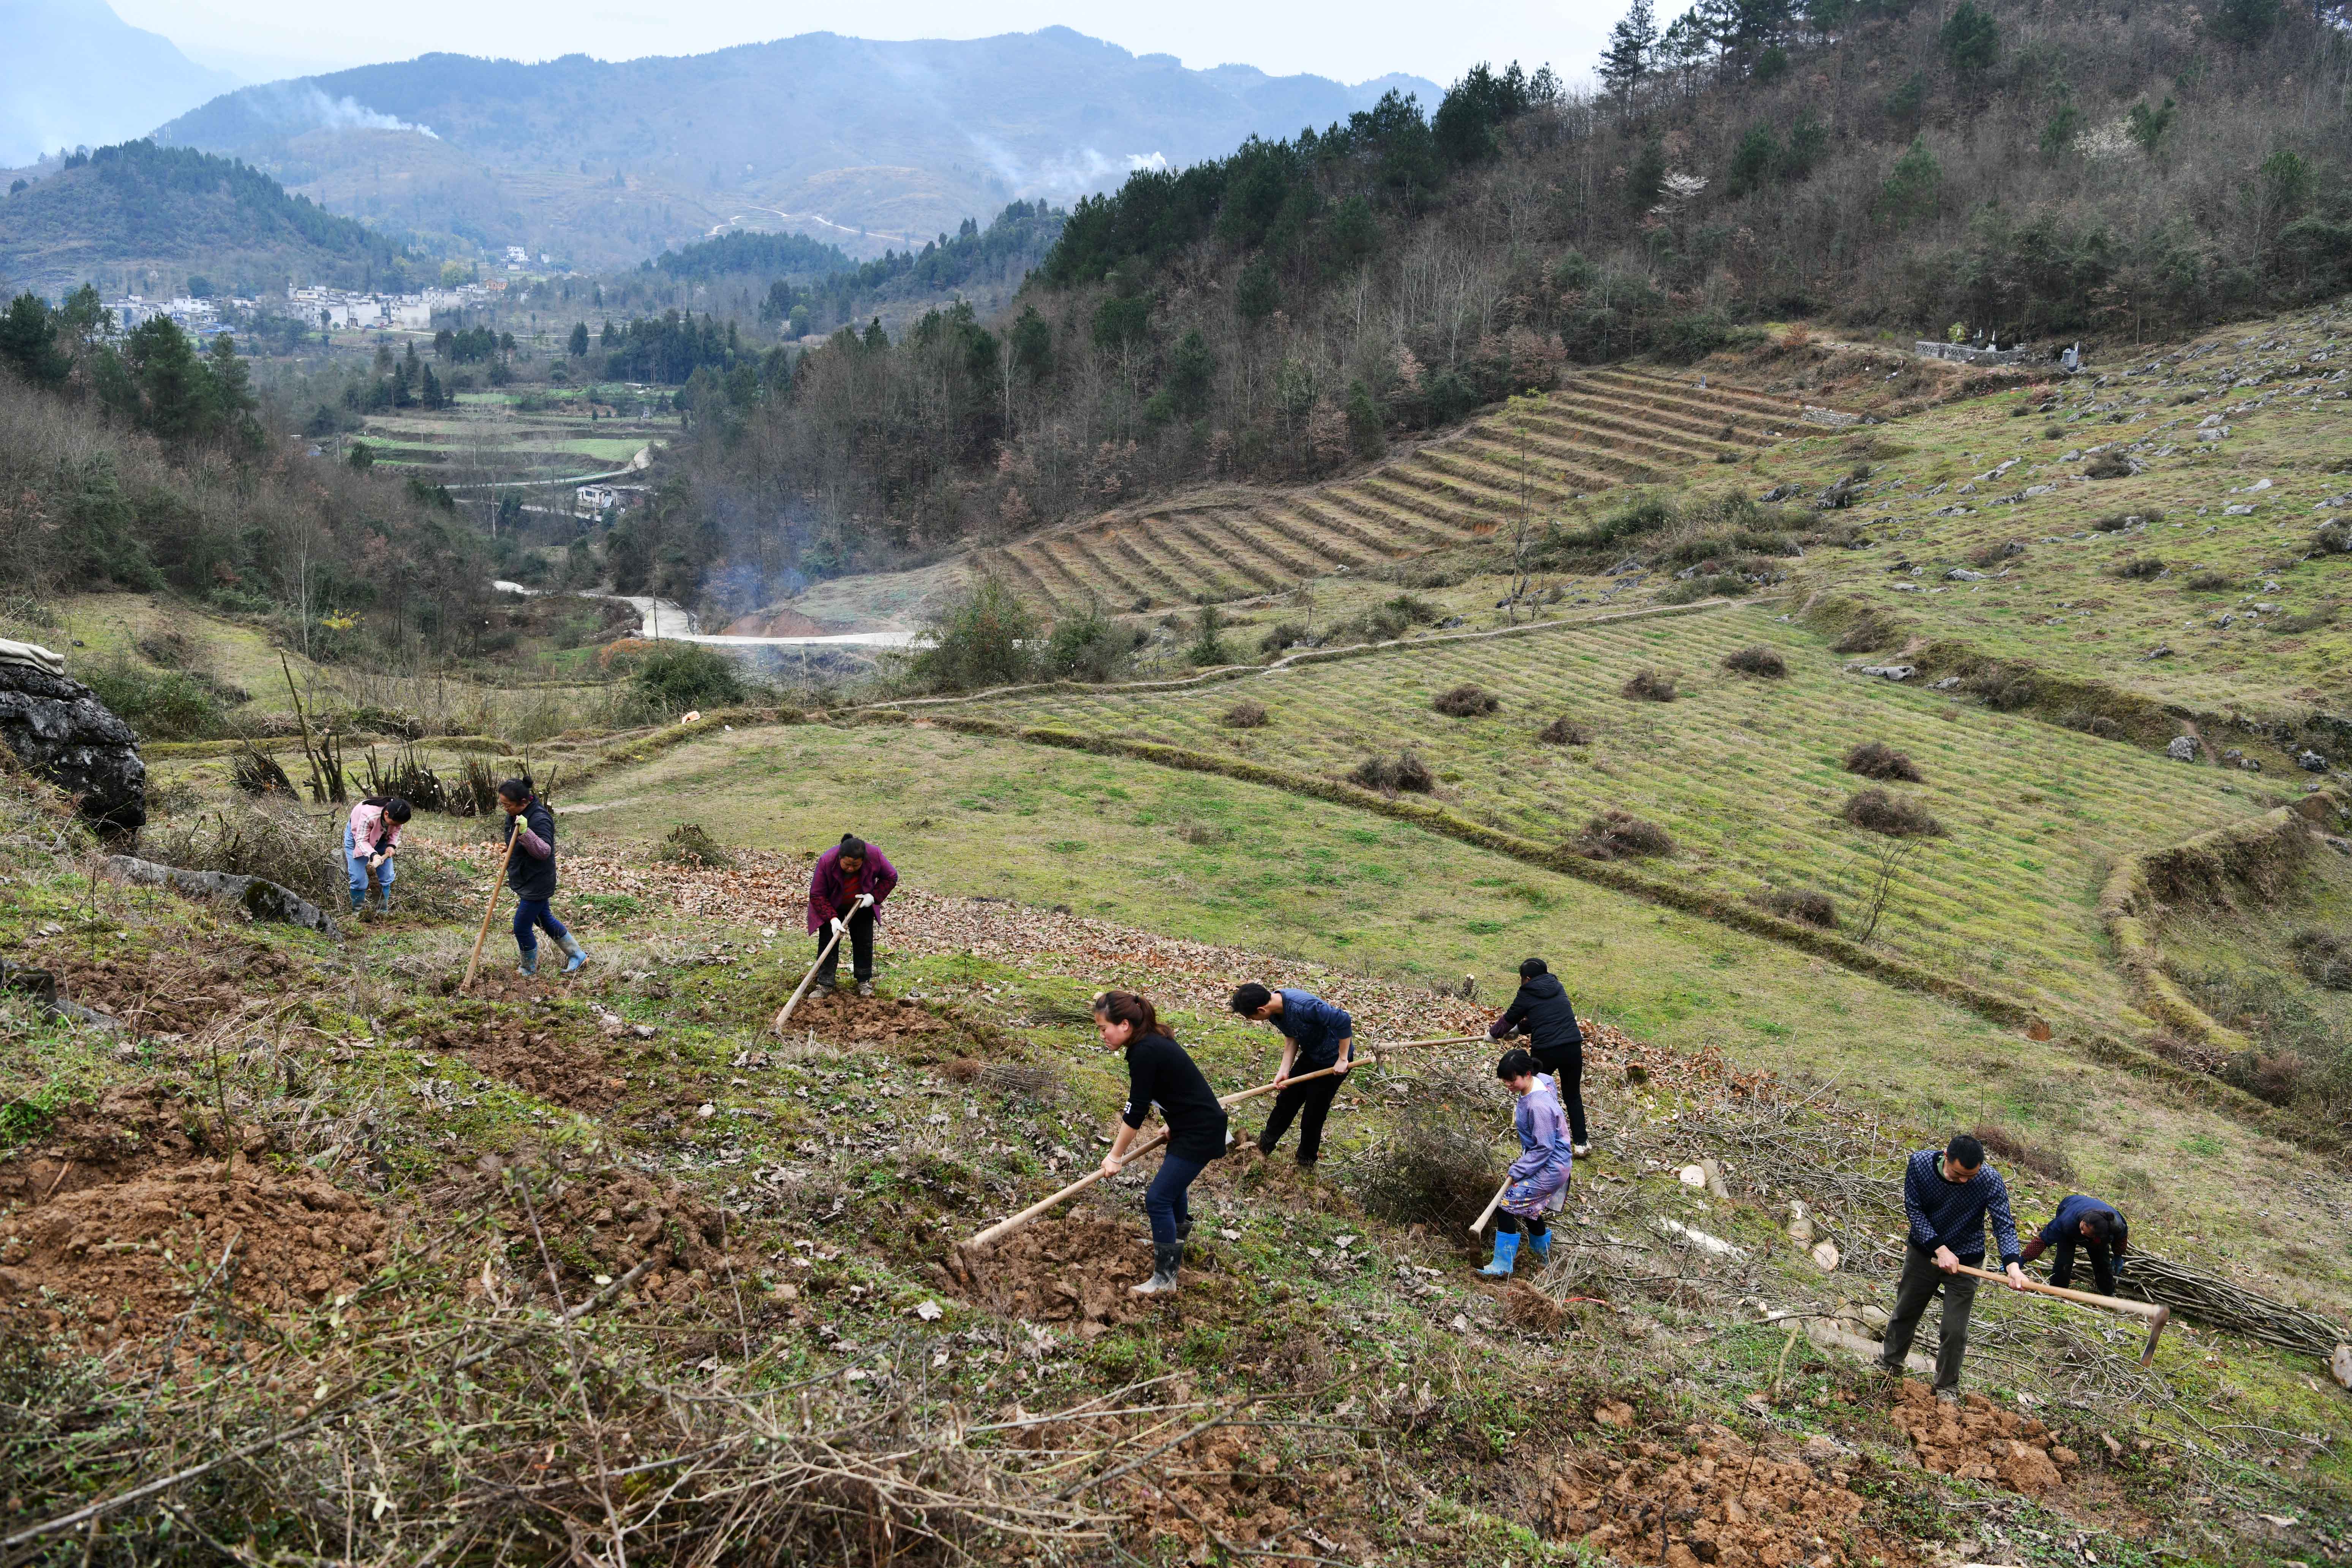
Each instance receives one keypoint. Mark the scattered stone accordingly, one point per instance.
(1690, 1176)
(1826, 1257)
(2311, 762)
(2182, 749)
(1800, 1224)
(261, 899)
(1962, 575)
(1884, 671)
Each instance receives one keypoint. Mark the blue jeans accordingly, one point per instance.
(355, 866)
(1164, 1199)
(530, 913)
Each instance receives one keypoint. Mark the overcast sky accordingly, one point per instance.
(1350, 41)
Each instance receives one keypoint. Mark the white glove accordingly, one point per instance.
(838, 929)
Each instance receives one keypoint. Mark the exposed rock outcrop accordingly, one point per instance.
(66, 735)
(260, 898)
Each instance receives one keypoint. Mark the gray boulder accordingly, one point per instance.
(2311, 763)
(260, 898)
(66, 735)
(2182, 749)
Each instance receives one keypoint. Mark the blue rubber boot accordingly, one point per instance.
(529, 965)
(1542, 1246)
(576, 956)
(1506, 1247)
(358, 896)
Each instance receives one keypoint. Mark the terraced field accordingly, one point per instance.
(485, 437)
(1608, 428)
(1746, 774)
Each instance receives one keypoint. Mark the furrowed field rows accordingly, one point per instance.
(1606, 428)
(1747, 774)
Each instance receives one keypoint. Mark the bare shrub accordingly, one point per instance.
(1651, 686)
(1798, 904)
(2207, 583)
(1466, 701)
(2138, 569)
(255, 772)
(1892, 815)
(2008, 1143)
(1877, 760)
(1757, 660)
(1244, 715)
(2108, 465)
(1621, 835)
(2003, 688)
(1430, 1171)
(1389, 775)
(1563, 732)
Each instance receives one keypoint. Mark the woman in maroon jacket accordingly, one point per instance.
(845, 892)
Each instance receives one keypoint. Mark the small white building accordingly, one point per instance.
(594, 500)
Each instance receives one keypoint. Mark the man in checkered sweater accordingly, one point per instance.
(1947, 1195)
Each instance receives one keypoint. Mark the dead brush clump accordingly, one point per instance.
(1431, 1170)
(1757, 660)
(1244, 715)
(1649, 686)
(2323, 957)
(1877, 760)
(2009, 1145)
(1892, 815)
(1798, 904)
(1563, 732)
(2139, 569)
(273, 838)
(689, 843)
(1466, 701)
(1402, 773)
(1621, 835)
(1869, 632)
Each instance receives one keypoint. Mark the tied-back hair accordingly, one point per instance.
(392, 806)
(2111, 1231)
(517, 788)
(1127, 1007)
(852, 848)
(1533, 967)
(1517, 1063)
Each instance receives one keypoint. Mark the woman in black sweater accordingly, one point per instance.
(1160, 1073)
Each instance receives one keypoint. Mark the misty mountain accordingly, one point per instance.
(77, 74)
(868, 145)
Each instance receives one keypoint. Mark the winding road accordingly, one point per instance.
(663, 621)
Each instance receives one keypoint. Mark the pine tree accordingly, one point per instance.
(1631, 52)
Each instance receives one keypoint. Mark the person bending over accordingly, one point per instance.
(370, 838)
(848, 871)
(1316, 1035)
(2096, 1228)
(1160, 1073)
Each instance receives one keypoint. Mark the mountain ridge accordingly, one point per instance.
(871, 144)
(79, 76)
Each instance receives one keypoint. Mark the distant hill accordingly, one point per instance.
(79, 76)
(110, 215)
(872, 146)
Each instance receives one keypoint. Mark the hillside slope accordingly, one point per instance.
(863, 143)
(108, 216)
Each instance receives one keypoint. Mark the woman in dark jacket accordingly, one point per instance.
(1541, 1011)
(530, 872)
(1160, 1073)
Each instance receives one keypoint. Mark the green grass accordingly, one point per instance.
(1745, 775)
(1318, 883)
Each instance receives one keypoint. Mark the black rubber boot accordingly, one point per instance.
(1165, 1261)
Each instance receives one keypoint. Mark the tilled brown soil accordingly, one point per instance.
(124, 1218)
(553, 1058)
(1720, 1501)
(1978, 1441)
(604, 1223)
(1076, 1268)
(171, 991)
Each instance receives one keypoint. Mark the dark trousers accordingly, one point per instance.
(1312, 1099)
(1921, 1279)
(531, 912)
(2102, 1269)
(1508, 1224)
(861, 945)
(1567, 1064)
(1167, 1200)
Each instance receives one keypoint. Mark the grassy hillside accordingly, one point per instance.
(117, 211)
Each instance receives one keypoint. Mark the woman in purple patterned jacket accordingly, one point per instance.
(845, 892)
(1539, 1176)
